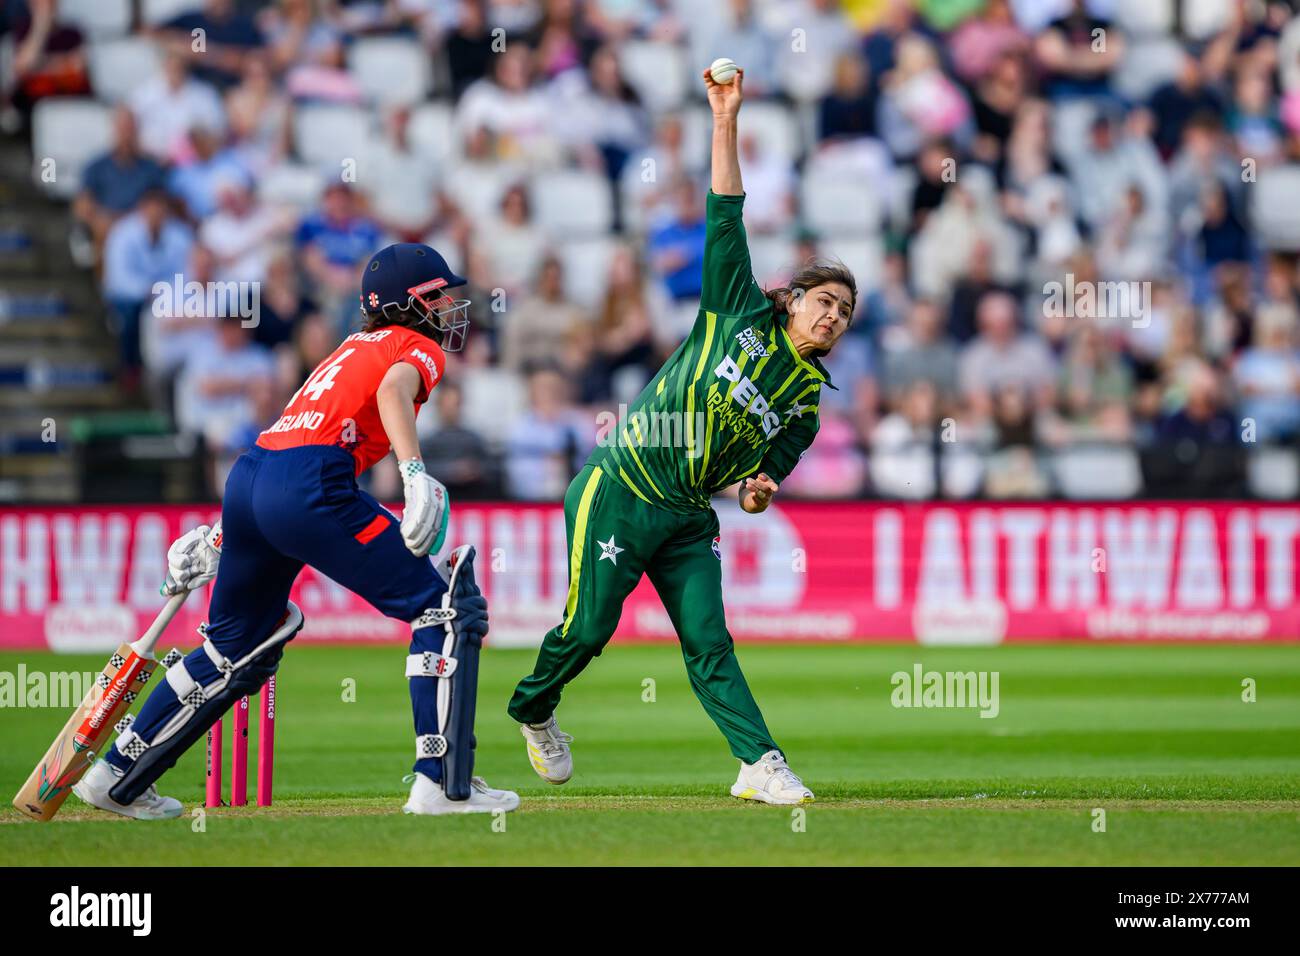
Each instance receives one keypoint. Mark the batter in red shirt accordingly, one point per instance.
(293, 500)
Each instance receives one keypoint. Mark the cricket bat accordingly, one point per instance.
(91, 724)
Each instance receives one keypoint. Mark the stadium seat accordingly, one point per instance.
(494, 399)
(478, 187)
(97, 19)
(585, 263)
(1107, 472)
(325, 135)
(1203, 19)
(1071, 122)
(1146, 65)
(775, 127)
(657, 71)
(390, 70)
(154, 12)
(840, 206)
(772, 257)
(1274, 473)
(864, 257)
(572, 203)
(1150, 18)
(291, 185)
(1273, 207)
(72, 131)
(697, 128)
(120, 67)
(432, 131)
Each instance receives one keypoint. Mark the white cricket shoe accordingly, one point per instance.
(427, 797)
(103, 776)
(548, 750)
(770, 781)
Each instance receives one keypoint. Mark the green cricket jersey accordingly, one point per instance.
(733, 400)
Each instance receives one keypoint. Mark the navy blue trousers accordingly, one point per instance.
(285, 509)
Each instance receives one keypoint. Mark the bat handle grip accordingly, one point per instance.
(149, 639)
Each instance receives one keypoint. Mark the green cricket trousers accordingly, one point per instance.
(614, 538)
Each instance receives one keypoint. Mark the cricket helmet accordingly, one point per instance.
(412, 277)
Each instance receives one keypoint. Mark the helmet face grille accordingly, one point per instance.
(452, 321)
(448, 317)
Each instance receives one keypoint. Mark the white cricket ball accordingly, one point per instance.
(723, 70)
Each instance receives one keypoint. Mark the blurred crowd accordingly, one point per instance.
(1075, 224)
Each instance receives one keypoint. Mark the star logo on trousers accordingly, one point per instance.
(608, 549)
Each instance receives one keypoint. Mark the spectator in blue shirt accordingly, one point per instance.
(198, 184)
(145, 247)
(335, 242)
(677, 248)
(113, 184)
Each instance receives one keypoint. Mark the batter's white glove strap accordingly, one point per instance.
(424, 522)
(192, 559)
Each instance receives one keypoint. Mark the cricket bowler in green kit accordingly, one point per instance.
(737, 402)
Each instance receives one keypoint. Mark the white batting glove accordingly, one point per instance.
(424, 522)
(192, 559)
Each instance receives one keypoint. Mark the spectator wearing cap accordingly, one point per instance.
(114, 184)
(141, 249)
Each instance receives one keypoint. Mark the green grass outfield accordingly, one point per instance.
(1157, 736)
